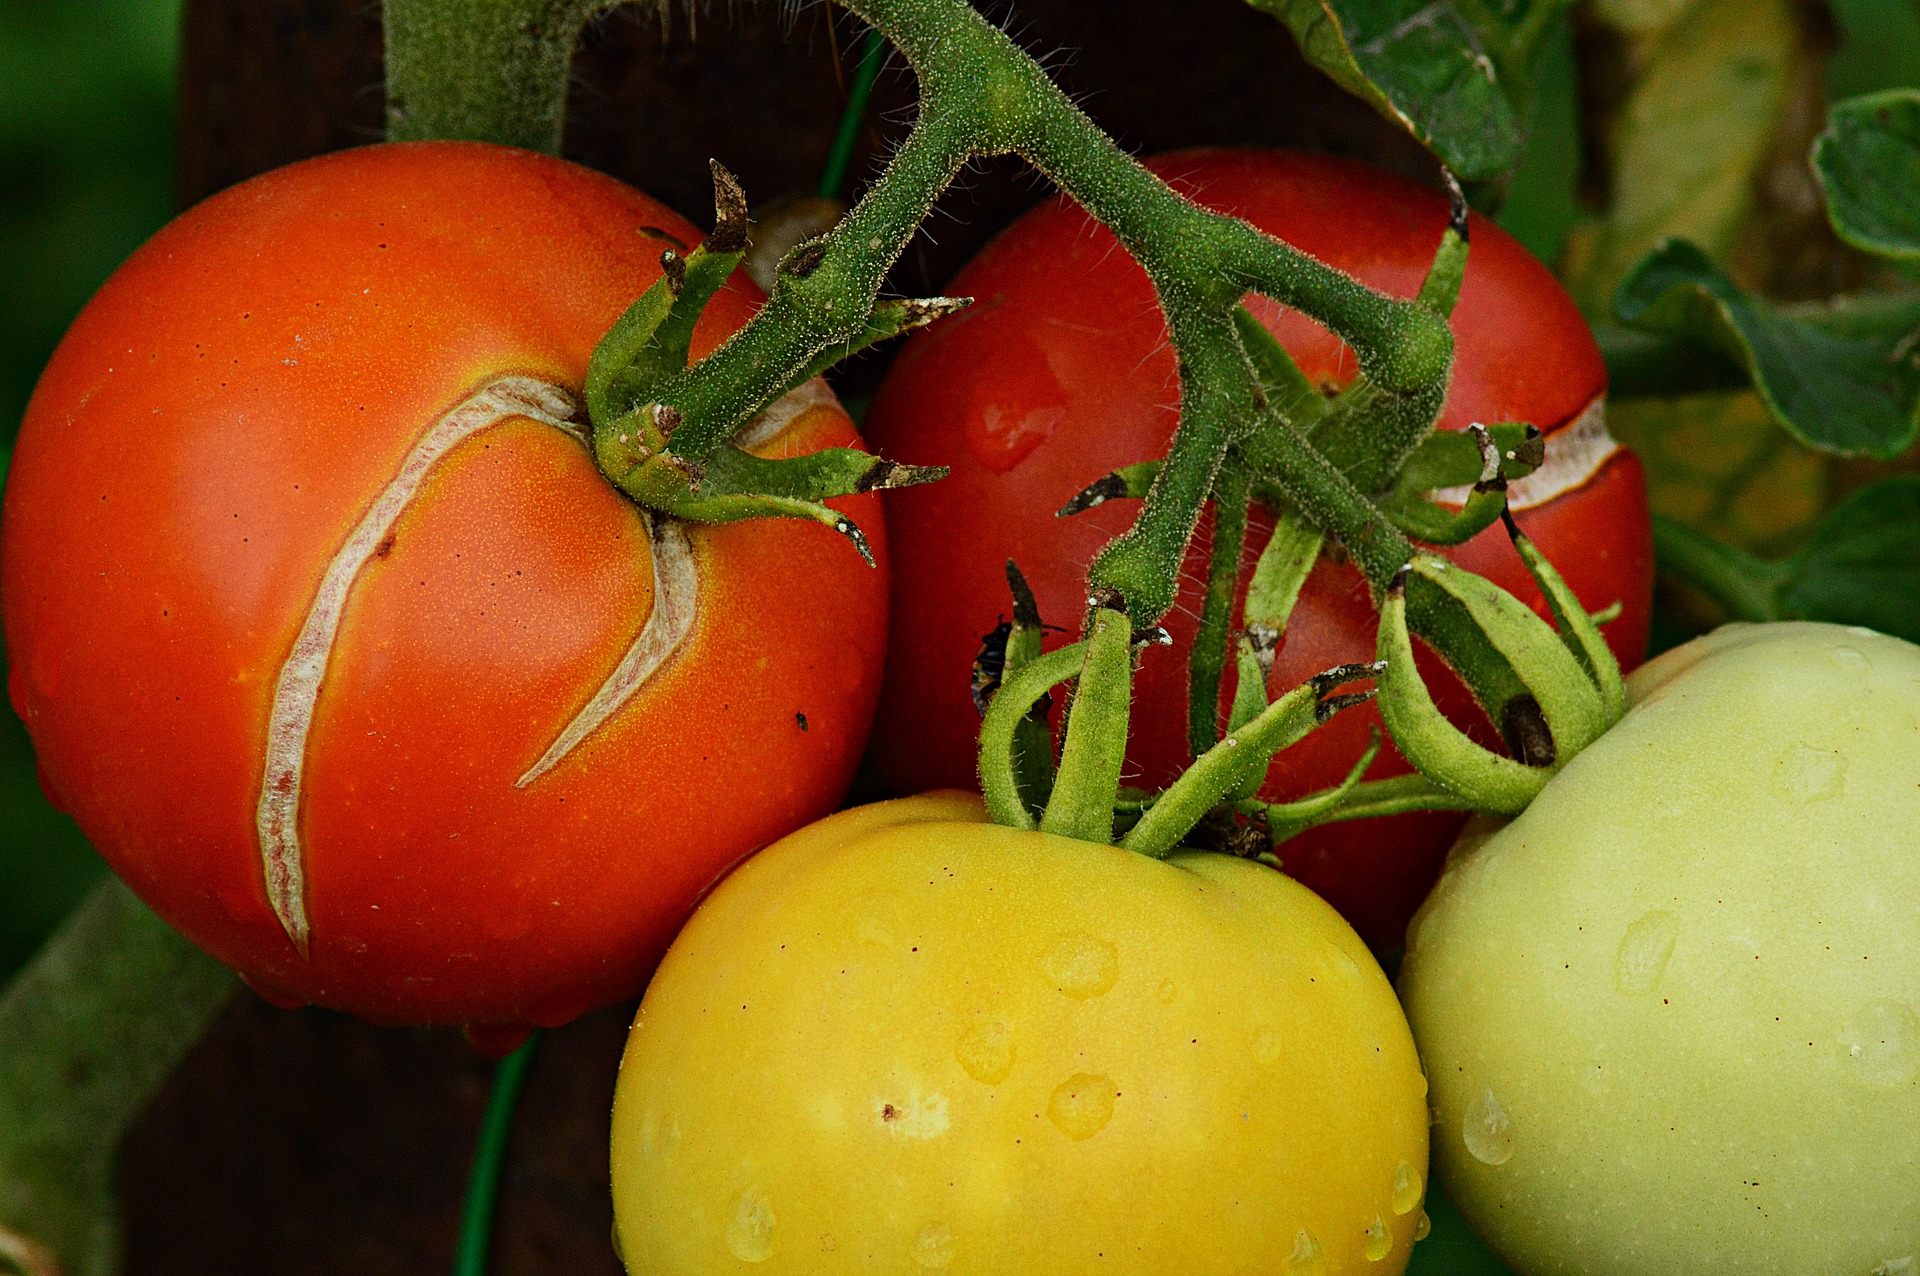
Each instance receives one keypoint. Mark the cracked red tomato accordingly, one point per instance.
(339, 648)
(1061, 372)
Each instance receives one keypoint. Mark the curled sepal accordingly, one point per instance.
(1579, 629)
(1427, 520)
(1129, 480)
(1019, 692)
(1250, 685)
(1396, 795)
(1289, 819)
(652, 339)
(1242, 755)
(1437, 748)
(1088, 779)
(1441, 288)
(1557, 715)
(1009, 648)
(742, 507)
(889, 319)
(816, 476)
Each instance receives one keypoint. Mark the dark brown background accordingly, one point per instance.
(307, 1142)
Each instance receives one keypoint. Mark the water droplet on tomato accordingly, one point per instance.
(1307, 1258)
(1406, 1188)
(1882, 1041)
(1267, 1045)
(1379, 1240)
(1809, 775)
(1486, 1131)
(1167, 992)
(1343, 963)
(1894, 1267)
(1081, 966)
(750, 1227)
(1423, 1228)
(1644, 952)
(934, 1246)
(1852, 659)
(1082, 1105)
(985, 1051)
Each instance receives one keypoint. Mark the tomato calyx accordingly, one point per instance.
(634, 428)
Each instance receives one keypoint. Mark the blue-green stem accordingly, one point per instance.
(489, 1155)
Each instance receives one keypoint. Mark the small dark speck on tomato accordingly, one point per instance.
(801, 718)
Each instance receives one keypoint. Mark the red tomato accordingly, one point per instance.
(340, 649)
(1061, 372)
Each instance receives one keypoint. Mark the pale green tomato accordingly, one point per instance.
(904, 1039)
(1672, 1011)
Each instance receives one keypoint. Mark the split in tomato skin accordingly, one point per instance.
(220, 424)
(1061, 372)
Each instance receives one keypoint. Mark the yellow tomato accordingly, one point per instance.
(907, 1039)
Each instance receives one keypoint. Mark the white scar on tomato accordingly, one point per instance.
(1575, 453)
(297, 692)
(676, 586)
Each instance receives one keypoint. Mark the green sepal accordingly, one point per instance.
(1290, 819)
(1087, 780)
(1130, 481)
(1207, 658)
(1019, 692)
(744, 507)
(1242, 758)
(1288, 391)
(651, 341)
(1439, 750)
(1577, 627)
(1279, 573)
(1250, 683)
(1369, 799)
(1569, 702)
(1454, 458)
(1033, 759)
(1440, 290)
(889, 319)
(815, 476)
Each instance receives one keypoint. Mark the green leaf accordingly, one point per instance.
(1868, 163)
(1861, 567)
(1842, 379)
(1457, 74)
(1683, 150)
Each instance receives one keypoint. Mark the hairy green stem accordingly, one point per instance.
(1207, 662)
(88, 1031)
(481, 70)
(980, 95)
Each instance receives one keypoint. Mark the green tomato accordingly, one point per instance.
(904, 1039)
(1672, 1011)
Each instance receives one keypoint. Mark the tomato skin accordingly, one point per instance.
(1060, 372)
(905, 1038)
(205, 440)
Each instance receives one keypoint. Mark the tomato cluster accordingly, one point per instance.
(1062, 372)
(336, 643)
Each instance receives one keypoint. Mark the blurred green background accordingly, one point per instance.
(86, 146)
(86, 173)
